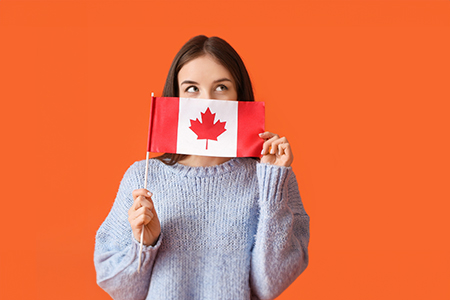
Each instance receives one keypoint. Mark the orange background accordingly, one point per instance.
(360, 88)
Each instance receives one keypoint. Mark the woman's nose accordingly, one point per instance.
(206, 95)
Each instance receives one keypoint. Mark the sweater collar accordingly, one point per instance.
(226, 167)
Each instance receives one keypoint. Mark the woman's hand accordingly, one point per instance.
(276, 150)
(143, 213)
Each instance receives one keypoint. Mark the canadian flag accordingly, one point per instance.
(206, 127)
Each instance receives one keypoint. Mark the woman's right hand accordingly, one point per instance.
(142, 212)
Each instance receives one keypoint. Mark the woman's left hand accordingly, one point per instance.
(276, 150)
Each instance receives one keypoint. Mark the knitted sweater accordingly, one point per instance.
(233, 231)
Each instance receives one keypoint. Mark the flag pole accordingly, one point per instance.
(145, 187)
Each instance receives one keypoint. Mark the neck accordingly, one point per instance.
(203, 161)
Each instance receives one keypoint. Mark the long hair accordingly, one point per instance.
(220, 50)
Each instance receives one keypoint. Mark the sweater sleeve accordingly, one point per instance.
(280, 252)
(117, 251)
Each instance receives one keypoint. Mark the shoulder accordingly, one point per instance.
(136, 171)
(241, 166)
(139, 166)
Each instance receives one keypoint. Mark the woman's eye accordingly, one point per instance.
(192, 89)
(221, 88)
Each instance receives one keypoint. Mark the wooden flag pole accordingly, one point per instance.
(143, 226)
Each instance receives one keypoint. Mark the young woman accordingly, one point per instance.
(215, 227)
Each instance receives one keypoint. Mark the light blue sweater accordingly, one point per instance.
(233, 231)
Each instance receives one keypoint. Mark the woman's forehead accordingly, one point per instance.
(203, 68)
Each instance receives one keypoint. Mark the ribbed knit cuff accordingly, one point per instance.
(272, 182)
(148, 248)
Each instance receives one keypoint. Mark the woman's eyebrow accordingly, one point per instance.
(189, 82)
(222, 79)
(215, 81)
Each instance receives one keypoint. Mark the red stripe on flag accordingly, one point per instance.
(250, 125)
(164, 125)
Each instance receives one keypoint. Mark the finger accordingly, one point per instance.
(136, 217)
(266, 135)
(142, 202)
(143, 211)
(139, 221)
(287, 154)
(268, 143)
(145, 202)
(139, 195)
(275, 143)
(141, 192)
(283, 149)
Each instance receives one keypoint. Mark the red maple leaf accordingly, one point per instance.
(208, 129)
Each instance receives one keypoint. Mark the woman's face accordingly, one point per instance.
(204, 78)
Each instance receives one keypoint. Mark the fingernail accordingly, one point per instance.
(272, 151)
(261, 134)
(150, 194)
(262, 152)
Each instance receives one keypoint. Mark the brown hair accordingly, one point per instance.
(220, 50)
